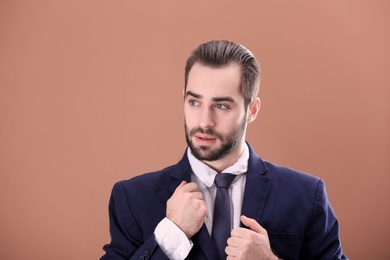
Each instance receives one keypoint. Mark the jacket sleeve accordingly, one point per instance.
(322, 240)
(127, 238)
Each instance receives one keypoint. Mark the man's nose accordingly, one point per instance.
(206, 119)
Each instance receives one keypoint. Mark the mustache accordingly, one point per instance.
(206, 131)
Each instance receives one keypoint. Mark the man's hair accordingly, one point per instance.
(221, 53)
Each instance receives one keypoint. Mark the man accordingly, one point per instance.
(263, 211)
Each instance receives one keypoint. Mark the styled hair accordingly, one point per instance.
(221, 53)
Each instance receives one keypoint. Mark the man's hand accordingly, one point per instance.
(187, 209)
(248, 244)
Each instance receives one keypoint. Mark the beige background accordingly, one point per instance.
(90, 93)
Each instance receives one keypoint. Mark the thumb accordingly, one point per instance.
(252, 224)
(182, 184)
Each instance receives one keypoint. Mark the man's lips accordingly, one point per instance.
(205, 139)
(205, 136)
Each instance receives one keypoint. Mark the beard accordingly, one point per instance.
(229, 142)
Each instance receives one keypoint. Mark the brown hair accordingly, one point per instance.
(220, 53)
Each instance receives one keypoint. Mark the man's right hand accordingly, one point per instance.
(187, 209)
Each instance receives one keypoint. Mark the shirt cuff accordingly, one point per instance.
(172, 240)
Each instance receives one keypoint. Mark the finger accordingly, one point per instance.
(233, 241)
(190, 187)
(197, 195)
(230, 251)
(240, 232)
(252, 224)
(181, 185)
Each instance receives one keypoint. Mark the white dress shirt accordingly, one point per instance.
(170, 238)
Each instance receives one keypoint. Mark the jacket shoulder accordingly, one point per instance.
(287, 174)
(149, 177)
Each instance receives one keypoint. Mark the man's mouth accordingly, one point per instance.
(205, 139)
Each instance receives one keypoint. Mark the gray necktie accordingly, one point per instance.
(222, 212)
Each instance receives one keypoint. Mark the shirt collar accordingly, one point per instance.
(207, 174)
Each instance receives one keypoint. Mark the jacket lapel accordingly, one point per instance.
(181, 172)
(203, 239)
(256, 187)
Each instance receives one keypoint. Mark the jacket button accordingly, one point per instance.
(141, 257)
(146, 253)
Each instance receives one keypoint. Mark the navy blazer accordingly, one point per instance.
(292, 206)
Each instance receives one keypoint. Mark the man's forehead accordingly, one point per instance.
(205, 79)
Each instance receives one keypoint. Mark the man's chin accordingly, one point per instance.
(202, 150)
(206, 153)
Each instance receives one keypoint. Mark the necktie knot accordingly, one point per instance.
(223, 180)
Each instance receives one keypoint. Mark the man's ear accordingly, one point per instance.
(253, 110)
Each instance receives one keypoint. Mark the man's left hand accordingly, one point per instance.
(248, 244)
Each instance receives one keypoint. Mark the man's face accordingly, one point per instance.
(214, 112)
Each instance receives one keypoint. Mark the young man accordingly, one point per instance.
(261, 211)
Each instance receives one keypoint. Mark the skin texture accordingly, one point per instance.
(187, 209)
(249, 244)
(215, 124)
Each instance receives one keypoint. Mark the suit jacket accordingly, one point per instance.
(292, 206)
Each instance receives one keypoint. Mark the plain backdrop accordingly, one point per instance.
(91, 93)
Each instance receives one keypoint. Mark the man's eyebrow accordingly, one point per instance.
(223, 99)
(190, 93)
(215, 99)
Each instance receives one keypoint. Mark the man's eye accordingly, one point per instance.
(221, 106)
(194, 103)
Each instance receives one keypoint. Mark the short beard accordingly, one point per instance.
(228, 143)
